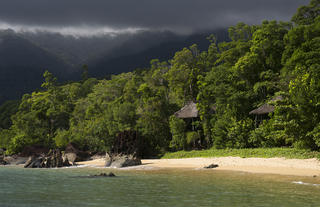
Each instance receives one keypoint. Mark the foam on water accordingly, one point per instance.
(303, 183)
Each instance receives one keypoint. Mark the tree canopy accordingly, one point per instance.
(226, 81)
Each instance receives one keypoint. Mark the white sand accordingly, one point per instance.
(299, 167)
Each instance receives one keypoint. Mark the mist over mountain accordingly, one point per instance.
(133, 55)
(22, 64)
(25, 56)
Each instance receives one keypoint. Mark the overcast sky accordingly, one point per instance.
(87, 17)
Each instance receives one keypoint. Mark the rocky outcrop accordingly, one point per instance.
(119, 161)
(51, 160)
(70, 157)
(73, 153)
(34, 162)
(108, 160)
(15, 160)
(54, 159)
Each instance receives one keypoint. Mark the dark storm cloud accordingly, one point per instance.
(176, 15)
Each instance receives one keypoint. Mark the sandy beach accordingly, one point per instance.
(282, 166)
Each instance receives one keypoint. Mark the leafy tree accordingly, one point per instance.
(177, 129)
(307, 14)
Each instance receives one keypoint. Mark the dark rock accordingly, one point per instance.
(34, 162)
(51, 160)
(104, 175)
(98, 175)
(120, 161)
(111, 174)
(66, 162)
(211, 166)
(3, 162)
(37, 163)
(29, 161)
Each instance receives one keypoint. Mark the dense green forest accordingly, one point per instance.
(259, 63)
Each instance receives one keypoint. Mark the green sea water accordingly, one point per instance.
(152, 188)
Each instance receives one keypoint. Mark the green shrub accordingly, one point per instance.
(62, 138)
(177, 129)
(192, 138)
(238, 134)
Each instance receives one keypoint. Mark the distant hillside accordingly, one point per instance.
(79, 50)
(164, 50)
(25, 56)
(22, 64)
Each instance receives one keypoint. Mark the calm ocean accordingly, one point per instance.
(152, 188)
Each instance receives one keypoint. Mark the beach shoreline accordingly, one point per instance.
(280, 166)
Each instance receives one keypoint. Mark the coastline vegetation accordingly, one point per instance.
(289, 153)
(259, 63)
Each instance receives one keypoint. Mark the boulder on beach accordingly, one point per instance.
(51, 160)
(15, 160)
(74, 154)
(33, 162)
(119, 161)
(71, 157)
(2, 161)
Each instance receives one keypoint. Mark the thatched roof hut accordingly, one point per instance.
(190, 111)
(265, 108)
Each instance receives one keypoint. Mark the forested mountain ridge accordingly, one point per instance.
(25, 56)
(258, 64)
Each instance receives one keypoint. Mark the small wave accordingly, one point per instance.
(303, 183)
(73, 166)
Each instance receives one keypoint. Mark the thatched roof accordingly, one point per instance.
(266, 108)
(190, 111)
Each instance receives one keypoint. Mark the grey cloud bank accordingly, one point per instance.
(87, 17)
